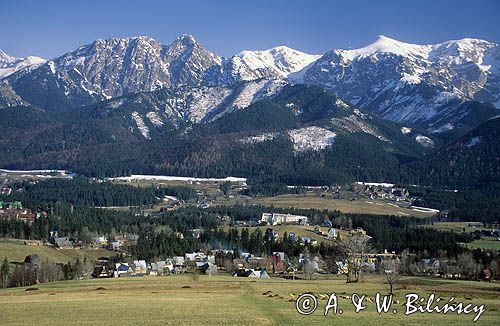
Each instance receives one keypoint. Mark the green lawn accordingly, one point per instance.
(224, 300)
(486, 243)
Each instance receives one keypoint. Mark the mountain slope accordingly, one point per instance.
(10, 64)
(301, 134)
(424, 84)
(111, 68)
(473, 159)
(277, 62)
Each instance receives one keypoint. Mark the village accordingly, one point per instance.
(120, 262)
(276, 227)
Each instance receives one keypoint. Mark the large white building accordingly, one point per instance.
(276, 218)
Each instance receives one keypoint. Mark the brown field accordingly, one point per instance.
(311, 200)
(224, 300)
(16, 251)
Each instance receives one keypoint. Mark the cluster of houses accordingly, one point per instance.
(479, 234)
(15, 211)
(244, 265)
(173, 265)
(66, 242)
(116, 243)
(331, 232)
(383, 191)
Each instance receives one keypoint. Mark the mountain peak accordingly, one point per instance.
(10, 64)
(114, 40)
(384, 44)
(4, 57)
(280, 61)
(186, 39)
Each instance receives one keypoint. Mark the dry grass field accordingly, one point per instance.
(224, 300)
(362, 206)
(16, 251)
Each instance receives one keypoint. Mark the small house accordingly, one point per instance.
(122, 269)
(63, 243)
(332, 233)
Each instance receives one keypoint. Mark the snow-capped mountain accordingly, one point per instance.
(277, 62)
(110, 68)
(10, 64)
(440, 87)
(425, 84)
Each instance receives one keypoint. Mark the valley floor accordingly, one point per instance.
(359, 206)
(219, 300)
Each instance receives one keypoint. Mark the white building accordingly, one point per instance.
(276, 218)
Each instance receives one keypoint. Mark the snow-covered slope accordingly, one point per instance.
(424, 84)
(279, 62)
(174, 107)
(10, 64)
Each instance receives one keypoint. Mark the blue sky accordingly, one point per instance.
(50, 28)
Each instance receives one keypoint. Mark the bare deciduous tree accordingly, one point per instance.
(4, 273)
(354, 249)
(468, 267)
(390, 268)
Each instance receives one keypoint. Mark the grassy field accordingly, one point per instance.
(16, 251)
(468, 227)
(486, 243)
(458, 226)
(224, 300)
(311, 200)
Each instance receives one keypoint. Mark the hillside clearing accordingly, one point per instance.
(16, 251)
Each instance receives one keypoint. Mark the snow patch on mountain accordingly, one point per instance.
(443, 128)
(424, 141)
(260, 138)
(141, 126)
(155, 119)
(473, 141)
(355, 123)
(202, 101)
(405, 130)
(342, 104)
(311, 138)
(115, 104)
(257, 90)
